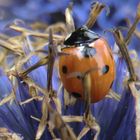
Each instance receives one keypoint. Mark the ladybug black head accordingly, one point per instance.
(80, 36)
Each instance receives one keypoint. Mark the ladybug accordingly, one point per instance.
(87, 50)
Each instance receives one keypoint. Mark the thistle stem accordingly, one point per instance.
(51, 57)
(96, 10)
(131, 31)
(122, 46)
(133, 27)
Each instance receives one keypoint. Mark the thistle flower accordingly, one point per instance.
(31, 108)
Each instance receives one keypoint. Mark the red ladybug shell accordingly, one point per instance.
(98, 55)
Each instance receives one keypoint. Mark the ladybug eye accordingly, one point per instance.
(105, 69)
(64, 69)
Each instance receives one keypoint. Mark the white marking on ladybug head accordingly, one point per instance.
(68, 36)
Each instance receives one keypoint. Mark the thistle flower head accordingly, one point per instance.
(33, 101)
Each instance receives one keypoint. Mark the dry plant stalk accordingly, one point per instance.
(69, 19)
(35, 33)
(11, 47)
(90, 122)
(136, 95)
(56, 119)
(57, 104)
(68, 99)
(73, 118)
(133, 27)
(88, 119)
(41, 62)
(31, 84)
(42, 124)
(6, 135)
(51, 60)
(112, 94)
(87, 90)
(96, 9)
(58, 28)
(137, 33)
(50, 128)
(122, 46)
(31, 99)
(48, 59)
(7, 99)
(132, 82)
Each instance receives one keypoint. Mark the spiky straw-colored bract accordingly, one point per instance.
(34, 104)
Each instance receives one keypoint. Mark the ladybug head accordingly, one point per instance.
(80, 36)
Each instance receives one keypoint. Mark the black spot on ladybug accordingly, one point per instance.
(75, 94)
(64, 69)
(105, 69)
(79, 77)
(88, 51)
